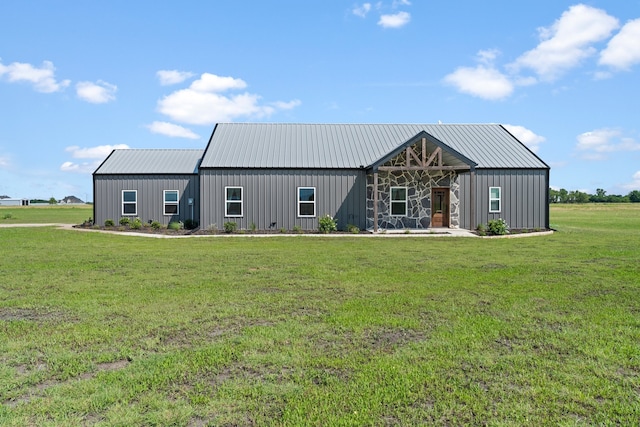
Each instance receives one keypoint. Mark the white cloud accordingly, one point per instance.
(84, 167)
(362, 10)
(526, 136)
(567, 42)
(281, 105)
(396, 20)
(202, 104)
(482, 81)
(398, 3)
(635, 184)
(96, 93)
(4, 162)
(171, 77)
(623, 49)
(98, 152)
(172, 130)
(42, 79)
(595, 144)
(212, 83)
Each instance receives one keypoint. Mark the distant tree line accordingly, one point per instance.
(601, 196)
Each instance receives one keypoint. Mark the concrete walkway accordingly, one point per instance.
(431, 232)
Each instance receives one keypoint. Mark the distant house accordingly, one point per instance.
(374, 176)
(71, 200)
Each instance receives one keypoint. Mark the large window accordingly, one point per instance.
(170, 202)
(129, 202)
(399, 201)
(495, 199)
(233, 201)
(307, 201)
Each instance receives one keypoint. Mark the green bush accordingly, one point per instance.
(174, 225)
(156, 225)
(125, 221)
(230, 227)
(326, 224)
(136, 224)
(353, 229)
(253, 227)
(297, 229)
(498, 226)
(109, 222)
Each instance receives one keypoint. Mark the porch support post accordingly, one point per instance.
(472, 198)
(375, 201)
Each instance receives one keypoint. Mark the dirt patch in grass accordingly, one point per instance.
(32, 314)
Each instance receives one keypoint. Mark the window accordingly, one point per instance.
(233, 201)
(129, 202)
(495, 201)
(306, 201)
(170, 202)
(399, 201)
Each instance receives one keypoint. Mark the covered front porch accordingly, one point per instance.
(416, 187)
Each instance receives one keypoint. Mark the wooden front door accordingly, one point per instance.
(440, 207)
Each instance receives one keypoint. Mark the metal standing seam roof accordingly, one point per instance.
(352, 146)
(146, 161)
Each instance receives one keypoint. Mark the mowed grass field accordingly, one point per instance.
(102, 329)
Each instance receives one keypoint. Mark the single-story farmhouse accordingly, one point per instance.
(374, 176)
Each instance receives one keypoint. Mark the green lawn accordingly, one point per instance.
(117, 330)
(45, 214)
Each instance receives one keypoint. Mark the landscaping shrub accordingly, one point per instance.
(498, 226)
(353, 229)
(190, 224)
(109, 222)
(327, 224)
(230, 227)
(253, 227)
(125, 221)
(136, 224)
(156, 225)
(174, 225)
(297, 229)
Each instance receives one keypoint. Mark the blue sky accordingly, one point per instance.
(79, 78)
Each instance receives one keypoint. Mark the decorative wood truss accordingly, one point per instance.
(415, 162)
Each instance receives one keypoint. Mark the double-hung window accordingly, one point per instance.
(495, 199)
(171, 198)
(233, 201)
(306, 201)
(129, 202)
(399, 201)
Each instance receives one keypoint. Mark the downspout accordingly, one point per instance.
(94, 198)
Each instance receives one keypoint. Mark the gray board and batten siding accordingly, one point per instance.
(270, 197)
(525, 195)
(149, 173)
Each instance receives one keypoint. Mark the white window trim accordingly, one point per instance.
(227, 201)
(499, 199)
(165, 203)
(315, 194)
(391, 201)
(134, 203)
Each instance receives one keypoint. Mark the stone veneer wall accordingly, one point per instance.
(419, 185)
